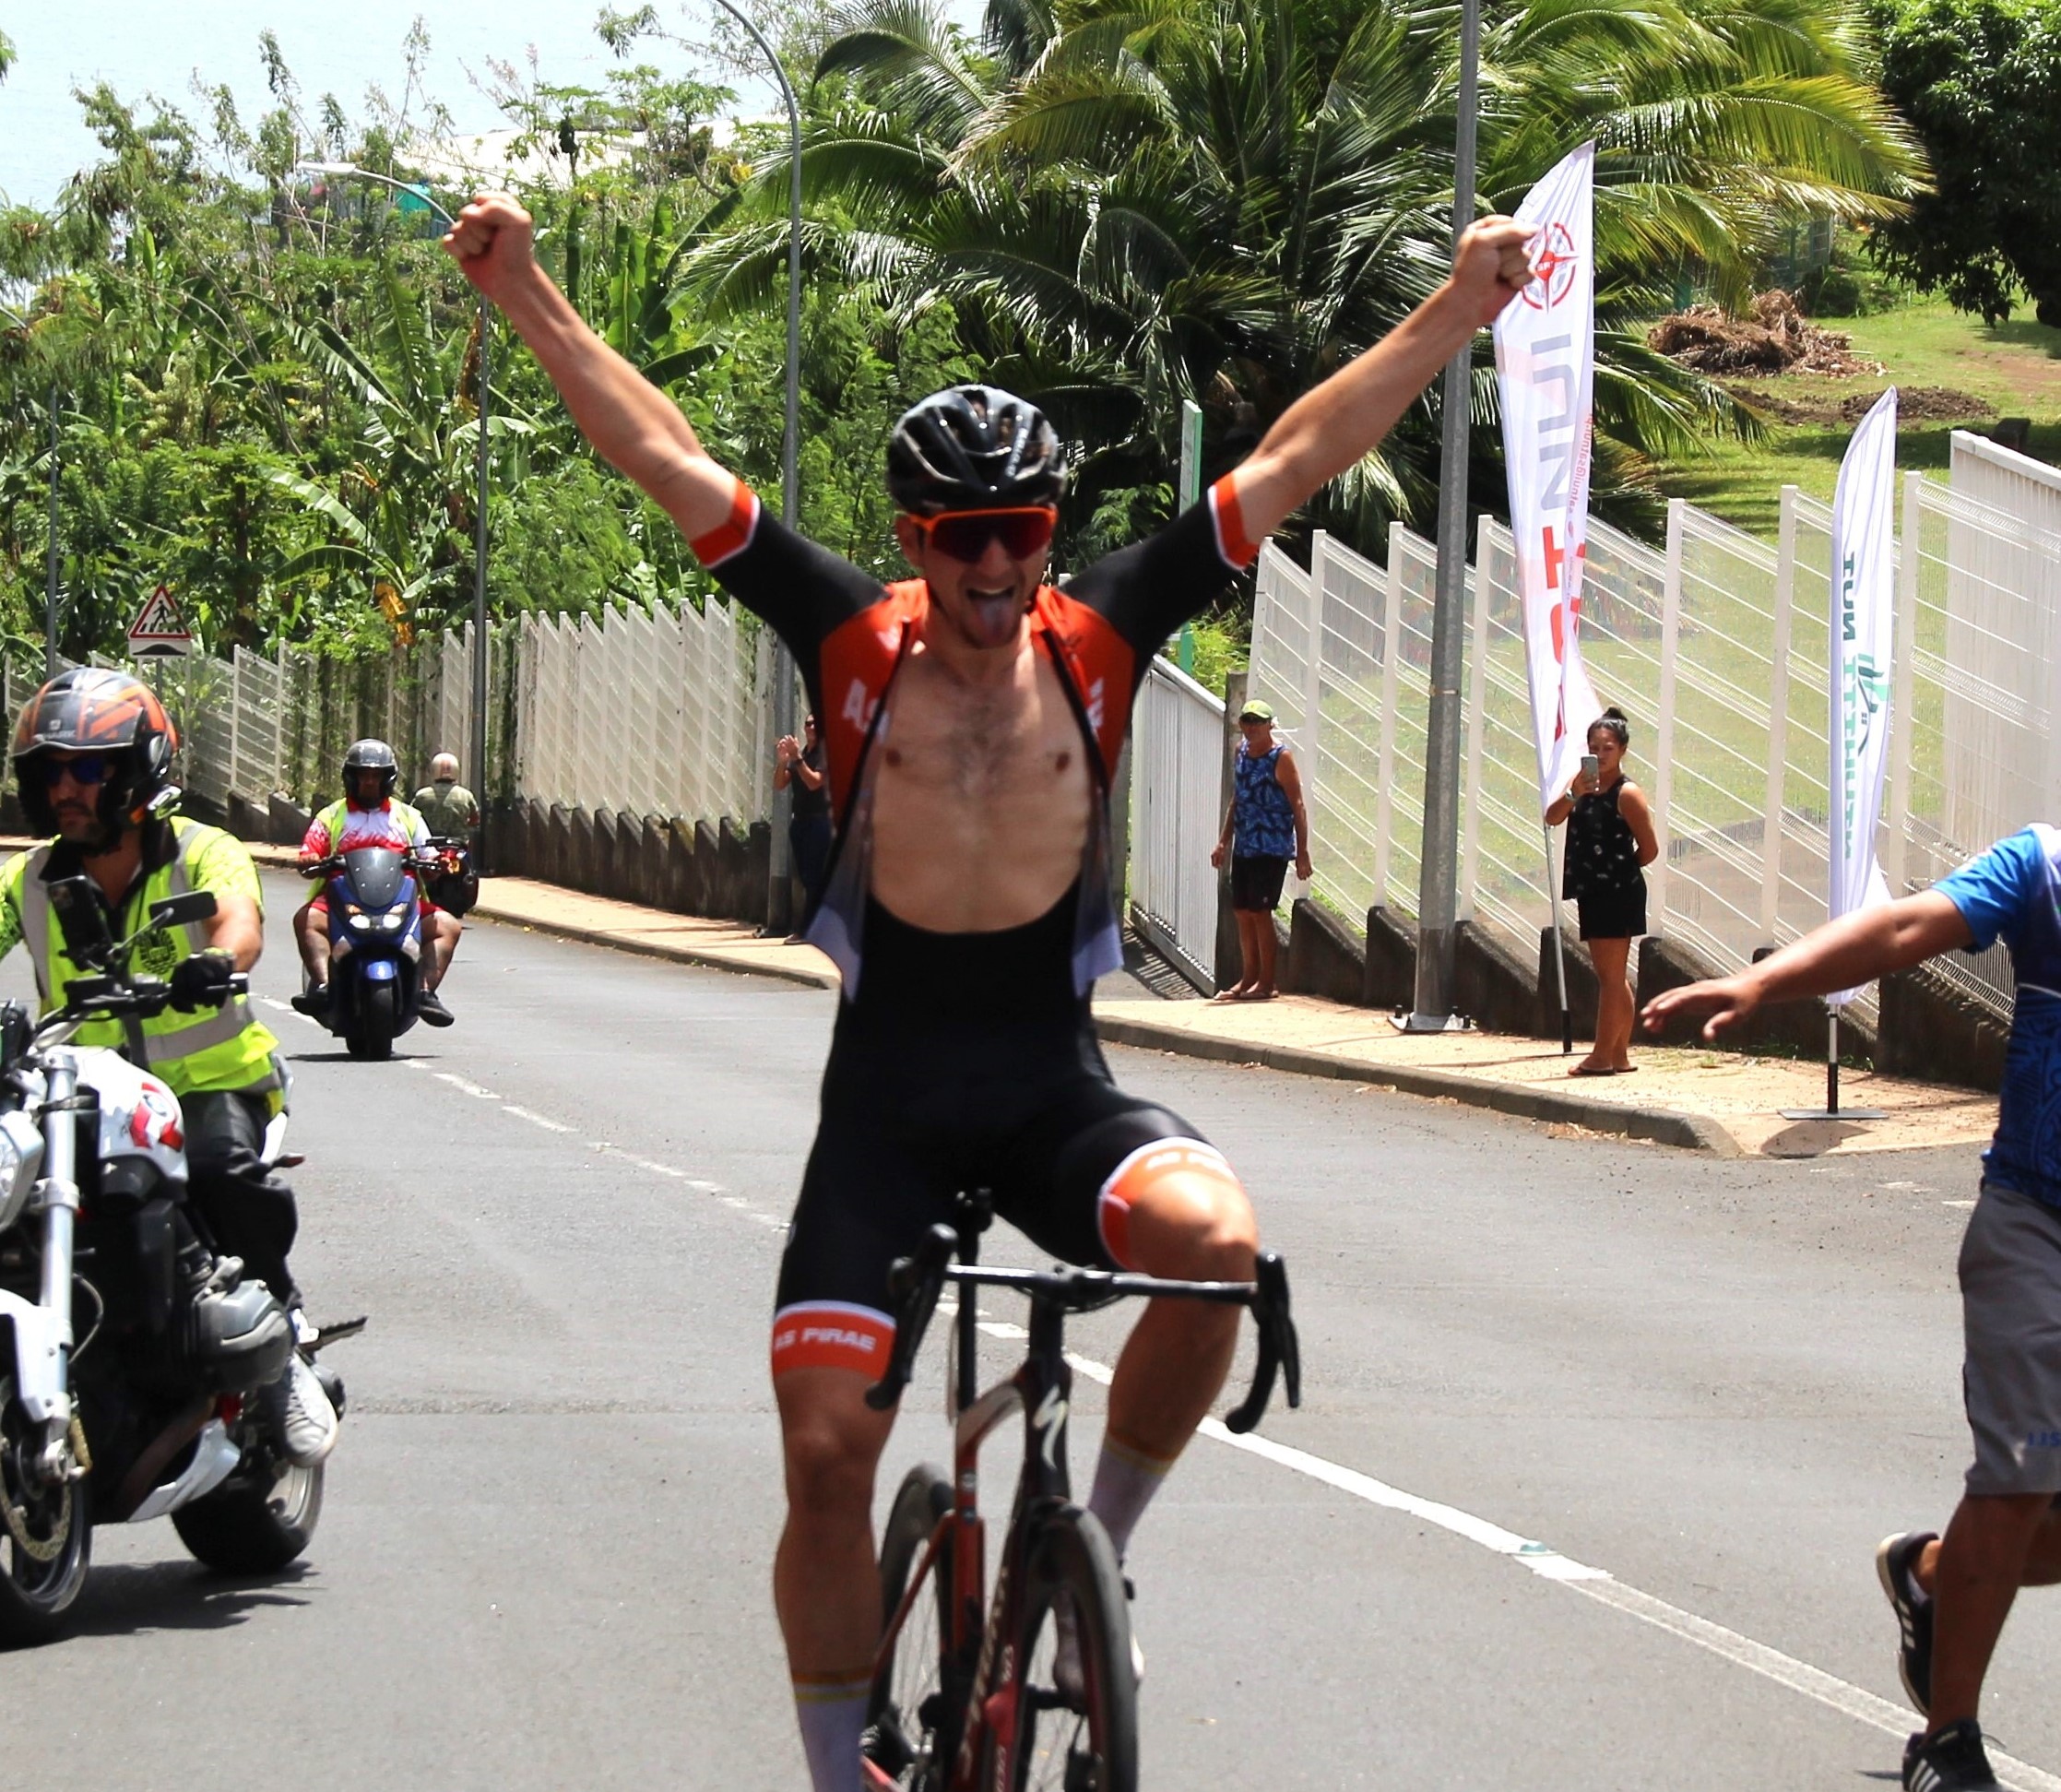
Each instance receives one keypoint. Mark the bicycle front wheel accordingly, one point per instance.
(1076, 1701)
(912, 1723)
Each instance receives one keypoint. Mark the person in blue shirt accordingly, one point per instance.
(1952, 1593)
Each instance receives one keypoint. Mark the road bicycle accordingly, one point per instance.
(1035, 1692)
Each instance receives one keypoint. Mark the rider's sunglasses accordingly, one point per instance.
(965, 534)
(88, 771)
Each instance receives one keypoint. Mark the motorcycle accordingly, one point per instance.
(153, 1410)
(375, 941)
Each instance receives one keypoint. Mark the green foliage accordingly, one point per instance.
(1980, 81)
(1225, 199)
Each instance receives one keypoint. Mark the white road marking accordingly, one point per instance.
(1596, 1583)
(534, 1118)
(466, 1086)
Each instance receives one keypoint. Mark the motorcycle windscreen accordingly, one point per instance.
(378, 877)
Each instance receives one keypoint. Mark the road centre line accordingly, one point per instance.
(1597, 1583)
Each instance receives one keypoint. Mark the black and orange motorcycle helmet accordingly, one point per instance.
(92, 709)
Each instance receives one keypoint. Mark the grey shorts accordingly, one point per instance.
(2010, 1301)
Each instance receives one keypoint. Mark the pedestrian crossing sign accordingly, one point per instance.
(160, 629)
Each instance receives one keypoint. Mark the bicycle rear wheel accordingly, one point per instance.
(912, 1720)
(1077, 1720)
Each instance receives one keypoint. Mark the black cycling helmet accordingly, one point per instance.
(93, 709)
(370, 756)
(974, 447)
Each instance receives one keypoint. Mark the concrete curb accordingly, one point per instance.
(741, 963)
(1664, 1126)
(1661, 1125)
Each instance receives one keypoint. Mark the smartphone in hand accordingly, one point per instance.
(1591, 768)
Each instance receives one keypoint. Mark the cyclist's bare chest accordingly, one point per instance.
(984, 796)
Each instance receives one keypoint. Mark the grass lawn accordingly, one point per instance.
(2013, 369)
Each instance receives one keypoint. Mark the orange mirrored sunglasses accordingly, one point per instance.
(965, 534)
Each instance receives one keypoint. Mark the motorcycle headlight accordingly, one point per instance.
(394, 923)
(360, 924)
(21, 1161)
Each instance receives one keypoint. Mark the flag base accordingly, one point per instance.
(1431, 1023)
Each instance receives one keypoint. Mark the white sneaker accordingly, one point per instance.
(300, 1415)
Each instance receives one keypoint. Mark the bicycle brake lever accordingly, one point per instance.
(915, 1283)
(1280, 1352)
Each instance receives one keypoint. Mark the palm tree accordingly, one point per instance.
(1131, 202)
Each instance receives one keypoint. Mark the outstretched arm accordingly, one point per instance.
(631, 424)
(1843, 954)
(1334, 425)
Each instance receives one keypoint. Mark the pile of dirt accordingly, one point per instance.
(1915, 404)
(1776, 339)
(1923, 404)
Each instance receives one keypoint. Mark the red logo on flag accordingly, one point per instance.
(1553, 268)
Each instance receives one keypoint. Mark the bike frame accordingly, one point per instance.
(982, 1643)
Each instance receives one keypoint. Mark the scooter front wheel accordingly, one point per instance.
(377, 1022)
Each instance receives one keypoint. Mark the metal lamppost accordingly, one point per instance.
(50, 554)
(777, 905)
(1438, 876)
(477, 746)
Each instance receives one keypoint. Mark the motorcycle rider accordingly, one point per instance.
(93, 756)
(451, 810)
(369, 816)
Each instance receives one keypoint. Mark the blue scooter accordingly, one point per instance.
(375, 947)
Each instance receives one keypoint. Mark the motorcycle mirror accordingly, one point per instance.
(82, 920)
(176, 911)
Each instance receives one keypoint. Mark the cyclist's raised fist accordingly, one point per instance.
(492, 241)
(1493, 265)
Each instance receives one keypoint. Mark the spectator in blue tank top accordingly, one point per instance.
(1952, 1596)
(1263, 828)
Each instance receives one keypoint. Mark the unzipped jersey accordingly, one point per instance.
(850, 635)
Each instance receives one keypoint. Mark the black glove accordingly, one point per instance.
(202, 982)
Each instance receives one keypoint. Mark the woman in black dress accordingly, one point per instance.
(1610, 842)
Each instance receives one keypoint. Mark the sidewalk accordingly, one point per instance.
(1717, 1101)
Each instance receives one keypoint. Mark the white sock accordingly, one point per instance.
(832, 1717)
(1125, 1482)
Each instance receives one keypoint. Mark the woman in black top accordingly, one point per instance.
(1610, 841)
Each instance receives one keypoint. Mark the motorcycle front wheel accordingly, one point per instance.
(257, 1521)
(46, 1535)
(378, 1020)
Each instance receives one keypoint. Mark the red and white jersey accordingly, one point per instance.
(344, 827)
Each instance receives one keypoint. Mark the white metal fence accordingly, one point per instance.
(653, 712)
(1716, 646)
(1177, 770)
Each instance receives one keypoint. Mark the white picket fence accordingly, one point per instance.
(1716, 646)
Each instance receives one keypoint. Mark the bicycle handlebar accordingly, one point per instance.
(915, 1284)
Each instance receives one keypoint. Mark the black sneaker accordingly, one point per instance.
(430, 1008)
(1894, 1559)
(313, 1000)
(1949, 1760)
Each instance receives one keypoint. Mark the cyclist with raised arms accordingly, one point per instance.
(971, 716)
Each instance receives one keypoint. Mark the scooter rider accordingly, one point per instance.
(92, 755)
(369, 816)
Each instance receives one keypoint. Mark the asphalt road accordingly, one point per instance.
(544, 1561)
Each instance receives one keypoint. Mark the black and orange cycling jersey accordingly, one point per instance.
(850, 635)
(965, 1060)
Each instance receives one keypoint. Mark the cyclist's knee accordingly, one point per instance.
(1175, 1208)
(831, 1441)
